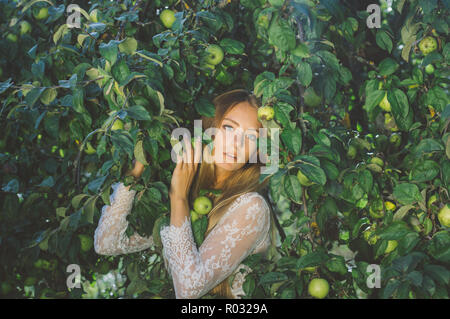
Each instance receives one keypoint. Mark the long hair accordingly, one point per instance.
(241, 181)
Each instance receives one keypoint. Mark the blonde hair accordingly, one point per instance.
(243, 180)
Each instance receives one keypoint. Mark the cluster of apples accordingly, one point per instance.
(202, 206)
(214, 53)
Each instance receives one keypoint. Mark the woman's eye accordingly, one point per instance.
(252, 137)
(228, 127)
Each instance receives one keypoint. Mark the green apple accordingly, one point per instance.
(384, 104)
(303, 179)
(429, 69)
(318, 288)
(41, 14)
(266, 113)
(444, 215)
(25, 27)
(86, 242)
(392, 244)
(202, 205)
(11, 37)
(378, 161)
(352, 151)
(215, 54)
(167, 17)
(48, 96)
(427, 45)
(395, 139)
(194, 215)
(118, 125)
(369, 236)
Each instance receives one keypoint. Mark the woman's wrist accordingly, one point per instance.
(179, 209)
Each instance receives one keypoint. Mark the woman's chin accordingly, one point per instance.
(228, 165)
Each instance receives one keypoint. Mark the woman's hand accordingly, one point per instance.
(137, 170)
(185, 170)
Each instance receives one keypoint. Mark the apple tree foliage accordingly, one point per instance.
(375, 177)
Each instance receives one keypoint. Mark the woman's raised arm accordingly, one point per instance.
(110, 237)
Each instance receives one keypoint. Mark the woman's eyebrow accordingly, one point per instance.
(232, 121)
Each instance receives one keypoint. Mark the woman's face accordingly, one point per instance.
(236, 138)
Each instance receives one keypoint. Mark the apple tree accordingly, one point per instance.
(363, 112)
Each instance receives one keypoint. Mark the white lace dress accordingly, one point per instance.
(243, 230)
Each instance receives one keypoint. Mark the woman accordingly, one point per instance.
(239, 224)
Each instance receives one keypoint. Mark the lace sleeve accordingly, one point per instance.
(110, 238)
(240, 230)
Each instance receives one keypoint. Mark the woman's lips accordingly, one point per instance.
(229, 155)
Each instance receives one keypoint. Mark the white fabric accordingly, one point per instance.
(243, 230)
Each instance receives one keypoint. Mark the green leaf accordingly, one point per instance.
(424, 171)
(120, 71)
(199, 228)
(128, 46)
(205, 107)
(427, 145)
(272, 277)
(304, 74)
(138, 112)
(384, 40)
(293, 139)
(395, 231)
(249, 285)
(406, 193)
(78, 100)
(311, 259)
(292, 187)
(438, 273)
(281, 34)
(123, 142)
(33, 96)
(89, 209)
(401, 212)
(373, 99)
(282, 113)
(12, 186)
(139, 152)
(329, 59)
(77, 200)
(337, 264)
(232, 46)
(439, 246)
(400, 109)
(109, 51)
(48, 182)
(388, 66)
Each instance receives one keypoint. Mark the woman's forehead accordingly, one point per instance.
(244, 115)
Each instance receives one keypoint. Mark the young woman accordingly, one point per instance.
(239, 224)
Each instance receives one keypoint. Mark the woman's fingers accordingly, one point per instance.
(198, 151)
